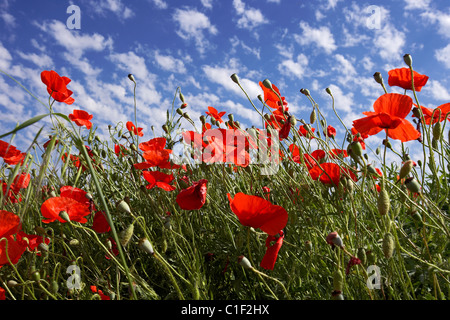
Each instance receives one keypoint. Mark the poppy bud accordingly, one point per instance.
(181, 97)
(408, 60)
(361, 254)
(412, 184)
(437, 131)
(313, 117)
(434, 145)
(383, 202)
(305, 92)
(203, 119)
(387, 143)
(388, 245)
(293, 121)
(43, 247)
(356, 148)
(74, 242)
(179, 111)
(126, 235)
(146, 246)
(378, 78)
(65, 216)
(184, 106)
(165, 128)
(123, 206)
(328, 90)
(186, 116)
(334, 239)
(231, 117)
(338, 280)
(131, 77)
(36, 276)
(12, 284)
(243, 261)
(337, 295)
(267, 84)
(371, 257)
(235, 78)
(406, 168)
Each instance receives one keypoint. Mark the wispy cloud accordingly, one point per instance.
(321, 37)
(249, 17)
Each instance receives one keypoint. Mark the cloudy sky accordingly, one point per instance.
(197, 44)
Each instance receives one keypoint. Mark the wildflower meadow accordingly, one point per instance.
(285, 211)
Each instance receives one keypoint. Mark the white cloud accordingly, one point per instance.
(294, 68)
(236, 42)
(443, 55)
(131, 63)
(249, 18)
(321, 37)
(115, 6)
(437, 91)
(5, 58)
(73, 42)
(160, 4)
(441, 18)
(170, 63)
(389, 43)
(192, 25)
(417, 4)
(207, 3)
(40, 60)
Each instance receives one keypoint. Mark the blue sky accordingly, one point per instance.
(196, 45)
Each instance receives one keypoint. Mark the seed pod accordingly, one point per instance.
(126, 235)
(383, 202)
(388, 245)
(338, 280)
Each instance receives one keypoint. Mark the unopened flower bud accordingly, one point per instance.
(437, 131)
(65, 216)
(412, 184)
(313, 117)
(378, 78)
(328, 90)
(203, 119)
(179, 111)
(231, 117)
(383, 202)
(338, 280)
(181, 97)
(126, 235)
(146, 246)
(243, 261)
(235, 78)
(406, 168)
(131, 77)
(388, 245)
(305, 91)
(408, 60)
(267, 84)
(165, 128)
(333, 238)
(356, 148)
(123, 206)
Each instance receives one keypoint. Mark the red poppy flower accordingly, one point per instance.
(119, 150)
(2, 294)
(215, 114)
(12, 192)
(10, 154)
(390, 112)
(100, 293)
(155, 153)
(334, 153)
(9, 226)
(76, 194)
(193, 197)
(75, 210)
(438, 114)
(330, 132)
(132, 128)
(271, 99)
(271, 255)
(81, 118)
(57, 86)
(304, 132)
(159, 179)
(257, 212)
(402, 78)
(330, 173)
(32, 240)
(353, 261)
(100, 223)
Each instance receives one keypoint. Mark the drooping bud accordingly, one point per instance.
(235, 78)
(356, 148)
(65, 216)
(146, 246)
(266, 83)
(305, 92)
(293, 121)
(437, 131)
(181, 97)
(165, 128)
(131, 77)
(328, 90)
(123, 206)
(203, 119)
(243, 261)
(408, 60)
(378, 77)
(388, 245)
(412, 184)
(231, 117)
(179, 111)
(333, 238)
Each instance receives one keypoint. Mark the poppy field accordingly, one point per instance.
(214, 211)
